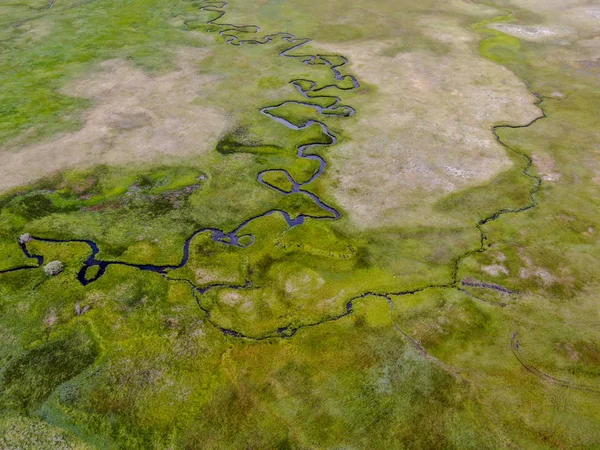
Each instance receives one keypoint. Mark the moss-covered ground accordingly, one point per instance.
(428, 316)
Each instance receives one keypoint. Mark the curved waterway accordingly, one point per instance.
(309, 90)
(232, 35)
(237, 238)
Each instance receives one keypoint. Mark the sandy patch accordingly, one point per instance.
(50, 319)
(243, 302)
(562, 15)
(544, 275)
(136, 117)
(495, 270)
(546, 167)
(532, 32)
(499, 256)
(533, 271)
(591, 231)
(231, 298)
(426, 132)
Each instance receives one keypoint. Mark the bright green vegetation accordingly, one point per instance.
(43, 48)
(396, 336)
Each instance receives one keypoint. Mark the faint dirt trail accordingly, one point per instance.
(516, 349)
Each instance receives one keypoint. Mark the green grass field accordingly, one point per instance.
(434, 287)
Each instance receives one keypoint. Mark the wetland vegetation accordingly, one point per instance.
(285, 224)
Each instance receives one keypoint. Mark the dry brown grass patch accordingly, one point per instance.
(137, 117)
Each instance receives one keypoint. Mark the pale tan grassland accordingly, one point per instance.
(427, 130)
(136, 117)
